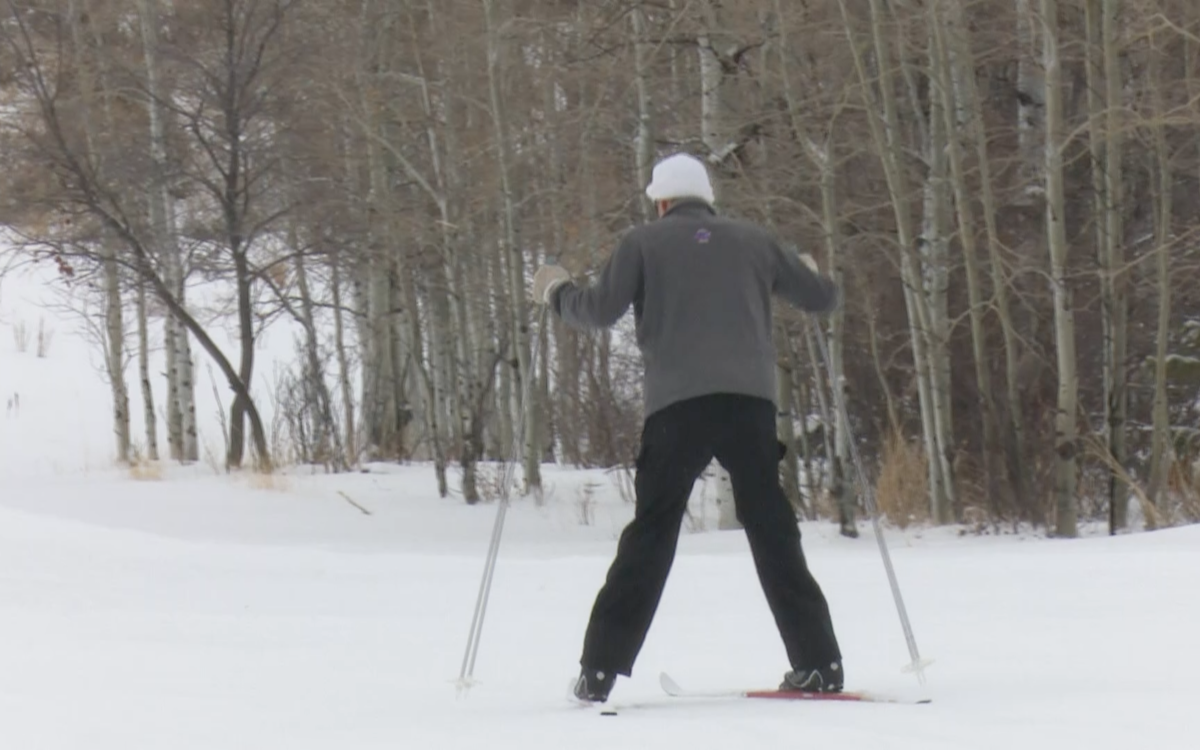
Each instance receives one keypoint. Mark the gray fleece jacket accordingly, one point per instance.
(700, 286)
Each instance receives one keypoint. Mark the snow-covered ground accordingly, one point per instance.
(196, 610)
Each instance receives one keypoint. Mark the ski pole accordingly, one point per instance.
(467, 672)
(917, 664)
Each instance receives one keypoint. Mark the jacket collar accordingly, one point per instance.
(690, 207)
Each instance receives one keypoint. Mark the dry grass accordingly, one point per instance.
(902, 490)
(21, 336)
(1183, 490)
(146, 471)
(267, 481)
(214, 460)
(1153, 516)
(45, 336)
(1191, 503)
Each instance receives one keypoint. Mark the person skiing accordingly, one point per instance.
(700, 286)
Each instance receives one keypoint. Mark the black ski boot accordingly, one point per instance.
(828, 679)
(594, 685)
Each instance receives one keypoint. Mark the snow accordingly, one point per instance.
(199, 610)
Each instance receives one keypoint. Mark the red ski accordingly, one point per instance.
(674, 690)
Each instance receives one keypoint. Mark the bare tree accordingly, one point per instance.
(93, 88)
(515, 255)
(1065, 438)
(236, 98)
(181, 402)
(1161, 453)
(149, 415)
(93, 188)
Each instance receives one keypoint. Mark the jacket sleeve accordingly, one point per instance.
(800, 286)
(603, 303)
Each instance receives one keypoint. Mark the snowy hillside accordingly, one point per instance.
(64, 419)
(195, 610)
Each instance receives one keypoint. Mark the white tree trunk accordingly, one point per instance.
(329, 447)
(822, 161)
(726, 505)
(1162, 446)
(508, 405)
(1066, 443)
(710, 88)
(439, 373)
(148, 413)
(114, 330)
(445, 347)
(967, 91)
(427, 368)
(872, 320)
(375, 272)
(378, 361)
(886, 136)
(550, 438)
(643, 142)
(114, 327)
(711, 116)
(171, 331)
(802, 392)
(343, 361)
(785, 422)
(1104, 138)
(1031, 98)
(185, 370)
(1115, 274)
(957, 111)
(516, 265)
(545, 438)
(491, 318)
(181, 399)
(935, 255)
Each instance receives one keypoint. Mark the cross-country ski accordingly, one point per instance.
(673, 689)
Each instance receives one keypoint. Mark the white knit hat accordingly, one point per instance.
(680, 176)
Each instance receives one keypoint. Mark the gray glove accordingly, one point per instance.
(546, 280)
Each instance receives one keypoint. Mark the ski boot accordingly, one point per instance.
(594, 685)
(828, 679)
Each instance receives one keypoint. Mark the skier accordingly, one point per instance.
(700, 286)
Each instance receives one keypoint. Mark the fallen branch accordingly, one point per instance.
(350, 500)
(1154, 519)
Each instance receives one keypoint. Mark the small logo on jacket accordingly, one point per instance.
(703, 236)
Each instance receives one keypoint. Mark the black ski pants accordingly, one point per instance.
(678, 443)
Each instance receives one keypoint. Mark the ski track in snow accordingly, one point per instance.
(201, 611)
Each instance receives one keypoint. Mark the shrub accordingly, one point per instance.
(902, 490)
